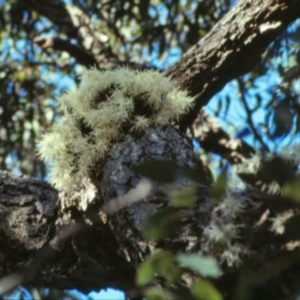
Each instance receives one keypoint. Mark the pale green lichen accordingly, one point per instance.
(95, 115)
(221, 237)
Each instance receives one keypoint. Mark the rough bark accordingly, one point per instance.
(38, 246)
(42, 246)
(231, 49)
(78, 250)
(118, 178)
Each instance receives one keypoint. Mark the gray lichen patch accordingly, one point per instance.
(95, 115)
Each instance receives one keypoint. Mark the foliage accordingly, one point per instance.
(261, 109)
(228, 241)
(153, 32)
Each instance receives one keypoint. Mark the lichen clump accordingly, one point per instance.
(104, 106)
(221, 237)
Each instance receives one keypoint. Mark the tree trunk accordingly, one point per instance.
(40, 245)
(87, 251)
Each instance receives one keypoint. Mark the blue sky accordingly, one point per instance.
(235, 113)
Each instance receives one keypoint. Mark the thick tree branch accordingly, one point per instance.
(99, 255)
(231, 49)
(43, 248)
(76, 249)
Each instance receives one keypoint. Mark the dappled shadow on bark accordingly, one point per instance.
(43, 246)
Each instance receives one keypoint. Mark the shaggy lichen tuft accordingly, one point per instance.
(105, 106)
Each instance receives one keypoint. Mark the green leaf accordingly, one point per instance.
(203, 265)
(145, 273)
(159, 170)
(167, 171)
(161, 263)
(219, 187)
(204, 290)
(157, 293)
(185, 197)
(292, 190)
(164, 266)
(161, 224)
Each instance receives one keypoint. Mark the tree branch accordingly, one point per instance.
(47, 249)
(64, 45)
(101, 255)
(231, 49)
(72, 21)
